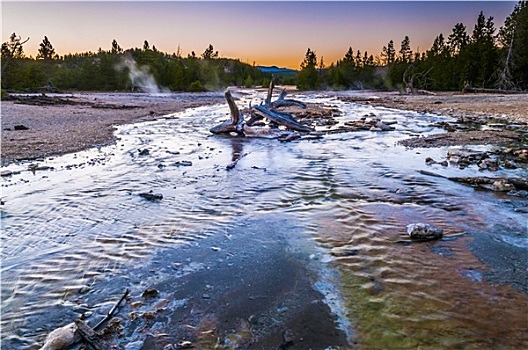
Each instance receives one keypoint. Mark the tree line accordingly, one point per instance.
(117, 69)
(481, 58)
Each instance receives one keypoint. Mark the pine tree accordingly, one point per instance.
(210, 53)
(46, 50)
(388, 53)
(458, 39)
(439, 46)
(405, 50)
(349, 57)
(480, 55)
(116, 49)
(308, 79)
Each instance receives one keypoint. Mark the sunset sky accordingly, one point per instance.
(267, 33)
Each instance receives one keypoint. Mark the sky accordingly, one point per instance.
(261, 32)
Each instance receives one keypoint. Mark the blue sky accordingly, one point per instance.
(266, 33)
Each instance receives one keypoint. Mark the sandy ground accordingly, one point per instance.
(512, 107)
(70, 123)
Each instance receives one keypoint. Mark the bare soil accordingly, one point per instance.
(513, 107)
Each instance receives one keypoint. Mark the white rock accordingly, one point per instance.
(60, 338)
(424, 231)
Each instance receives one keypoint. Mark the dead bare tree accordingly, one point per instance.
(505, 80)
(9, 49)
(411, 80)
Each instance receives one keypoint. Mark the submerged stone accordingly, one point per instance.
(424, 231)
(151, 196)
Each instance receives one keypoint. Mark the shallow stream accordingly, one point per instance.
(339, 204)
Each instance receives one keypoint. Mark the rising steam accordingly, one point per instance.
(140, 76)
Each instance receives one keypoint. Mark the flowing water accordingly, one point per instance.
(349, 195)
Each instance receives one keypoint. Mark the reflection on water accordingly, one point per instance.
(64, 230)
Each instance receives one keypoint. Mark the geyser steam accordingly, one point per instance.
(140, 76)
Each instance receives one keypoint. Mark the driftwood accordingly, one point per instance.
(283, 119)
(233, 125)
(286, 102)
(267, 110)
(498, 184)
(70, 335)
(90, 337)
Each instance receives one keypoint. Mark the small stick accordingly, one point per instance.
(112, 310)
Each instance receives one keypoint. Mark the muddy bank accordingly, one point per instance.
(42, 126)
(245, 289)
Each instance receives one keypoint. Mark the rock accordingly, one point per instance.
(183, 163)
(430, 161)
(522, 154)
(150, 293)
(488, 164)
(151, 196)
(344, 251)
(288, 338)
(60, 338)
(510, 165)
(503, 186)
(424, 231)
(21, 127)
(383, 126)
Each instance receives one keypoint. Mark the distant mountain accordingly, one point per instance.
(275, 69)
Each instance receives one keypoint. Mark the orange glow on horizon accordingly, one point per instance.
(249, 31)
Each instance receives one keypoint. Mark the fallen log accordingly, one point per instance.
(491, 91)
(253, 118)
(281, 119)
(287, 103)
(497, 184)
(281, 102)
